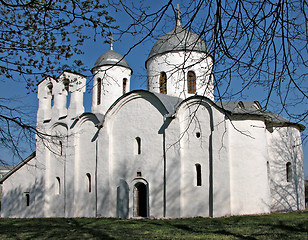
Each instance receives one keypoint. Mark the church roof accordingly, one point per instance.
(170, 102)
(111, 58)
(24, 162)
(178, 39)
(254, 108)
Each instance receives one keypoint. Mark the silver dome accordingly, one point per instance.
(111, 58)
(178, 39)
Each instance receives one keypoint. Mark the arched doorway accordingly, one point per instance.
(141, 200)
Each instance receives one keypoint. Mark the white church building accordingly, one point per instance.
(169, 151)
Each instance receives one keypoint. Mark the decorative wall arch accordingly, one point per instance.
(133, 95)
(83, 118)
(199, 171)
(58, 138)
(58, 124)
(201, 101)
(85, 162)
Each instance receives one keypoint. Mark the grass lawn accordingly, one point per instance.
(275, 226)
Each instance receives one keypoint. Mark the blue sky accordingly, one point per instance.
(136, 59)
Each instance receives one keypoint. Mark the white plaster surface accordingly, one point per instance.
(111, 88)
(176, 66)
(285, 146)
(95, 155)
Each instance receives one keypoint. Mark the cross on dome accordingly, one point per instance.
(111, 41)
(178, 15)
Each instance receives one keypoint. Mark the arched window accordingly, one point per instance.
(99, 90)
(289, 171)
(138, 145)
(191, 82)
(58, 186)
(163, 83)
(198, 173)
(89, 181)
(124, 85)
(27, 195)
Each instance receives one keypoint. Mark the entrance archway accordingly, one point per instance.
(141, 200)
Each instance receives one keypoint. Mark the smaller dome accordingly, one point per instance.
(111, 58)
(178, 39)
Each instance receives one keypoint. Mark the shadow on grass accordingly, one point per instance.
(275, 226)
(51, 229)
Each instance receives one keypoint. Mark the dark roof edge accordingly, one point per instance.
(285, 124)
(267, 119)
(24, 162)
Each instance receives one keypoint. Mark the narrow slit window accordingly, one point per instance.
(124, 85)
(89, 182)
(163, 83)
(58, 186)
(61, 148)
(268, 170)
(198, 173)
(27, 195)
(191, 82)
(289, 171)
(99, 90)
(138, 145)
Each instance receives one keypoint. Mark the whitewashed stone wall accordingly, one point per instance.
(111, 86)
(243, 161)
(248, 164)
(14, 191)
(285, 146)
(176, 66)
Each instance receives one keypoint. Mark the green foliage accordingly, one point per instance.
(36, 35)
(274, 226)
